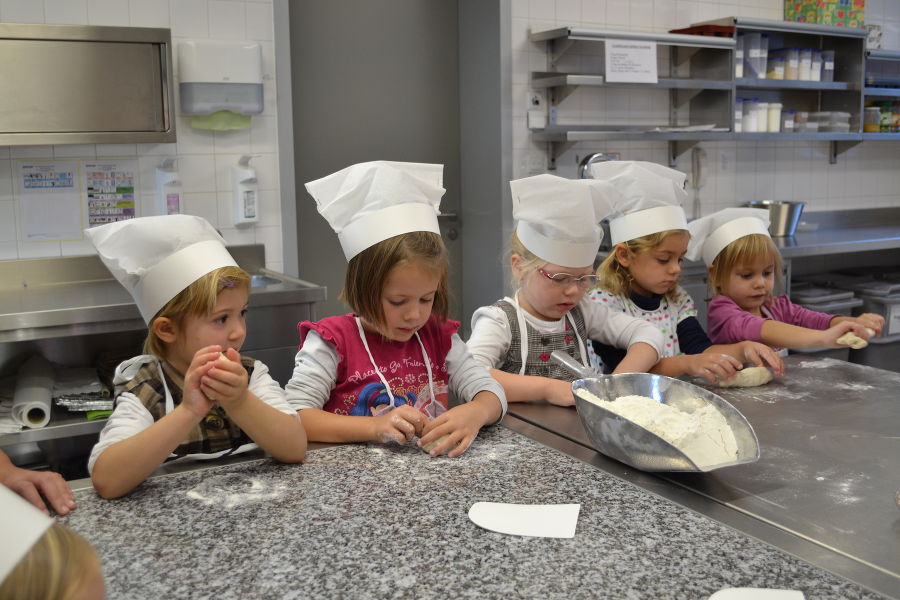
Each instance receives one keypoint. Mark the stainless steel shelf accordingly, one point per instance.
(882, 92)
(788, 27)
(599, 35)
(790, 84)
(881, 136)
(552, 80)
(63, 424)
(883, 54)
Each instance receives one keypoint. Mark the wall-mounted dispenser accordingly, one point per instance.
(168, 189)
(243, 179)
(220, 83)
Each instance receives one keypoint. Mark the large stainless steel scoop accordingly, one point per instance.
(628, 442)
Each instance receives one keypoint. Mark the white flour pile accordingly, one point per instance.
(703, 435)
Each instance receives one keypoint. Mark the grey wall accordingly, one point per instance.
(370, 80)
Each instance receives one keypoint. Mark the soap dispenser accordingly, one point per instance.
(246, 188)
(168, 189)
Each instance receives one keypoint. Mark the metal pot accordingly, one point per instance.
(783, 216)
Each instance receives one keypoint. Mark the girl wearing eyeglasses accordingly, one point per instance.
(551, 256)
(639, 277)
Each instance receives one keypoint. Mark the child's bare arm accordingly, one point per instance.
(529, 388)
(640, 358)
(872, 321)
(776, 333)
(461, 424)
(758, 353)
(710, 365)
(399, 425)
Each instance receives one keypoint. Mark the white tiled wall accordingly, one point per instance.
(203, 157)
(867, 176)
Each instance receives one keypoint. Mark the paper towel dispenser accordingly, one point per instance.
(78, 84)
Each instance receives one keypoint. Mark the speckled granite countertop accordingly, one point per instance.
(371, 521)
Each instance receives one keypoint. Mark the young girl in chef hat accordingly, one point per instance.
(639, 277)
(191, 394)
(44, 560)
(743, 263)
(383, 372)
(552, 256)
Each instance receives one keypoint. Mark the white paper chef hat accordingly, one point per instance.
(367, 203)
(559, 219)
(647, 198)
(710, 234)
(22, 525)
(157, 257)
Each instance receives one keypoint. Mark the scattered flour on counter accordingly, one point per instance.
(233, 490)
(703, 435)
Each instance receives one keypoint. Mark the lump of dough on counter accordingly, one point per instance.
(703, 435)
(431, 446)
(749, 377)
(853, 340)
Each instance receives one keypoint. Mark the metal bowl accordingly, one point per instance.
(628, 442)
(783, 216)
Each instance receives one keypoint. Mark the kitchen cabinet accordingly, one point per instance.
(698, 73)
(75, 314)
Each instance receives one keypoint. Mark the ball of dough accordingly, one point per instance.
(749, 377)
(431, 446)
(853, 340)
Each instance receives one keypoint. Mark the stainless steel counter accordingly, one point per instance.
(824, 488)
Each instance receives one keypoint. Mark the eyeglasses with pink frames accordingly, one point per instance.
(567, 279)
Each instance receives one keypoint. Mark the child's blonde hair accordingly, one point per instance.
(197, 299)
(742, 251)
(367, 272)
(530, 262)
(58, 567)
(616, 279)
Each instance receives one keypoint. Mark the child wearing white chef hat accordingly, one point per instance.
(639, 276)
(552, 256)
(40, 558)
(743, 263)
(191, 394)
(384, 372)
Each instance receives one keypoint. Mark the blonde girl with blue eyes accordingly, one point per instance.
(552, 254)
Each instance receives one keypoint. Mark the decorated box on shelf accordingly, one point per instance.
(841, 13)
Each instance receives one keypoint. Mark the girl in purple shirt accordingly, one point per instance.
(743, 261)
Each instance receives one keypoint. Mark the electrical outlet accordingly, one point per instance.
(535, 101)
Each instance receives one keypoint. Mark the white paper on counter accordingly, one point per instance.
(538, 520)
(34, 390)
(756, 594)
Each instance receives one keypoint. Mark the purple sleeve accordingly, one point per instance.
(787, 312)
(728, 323)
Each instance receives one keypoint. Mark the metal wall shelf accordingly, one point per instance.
(711, 89)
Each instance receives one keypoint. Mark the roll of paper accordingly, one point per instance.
(34, 390)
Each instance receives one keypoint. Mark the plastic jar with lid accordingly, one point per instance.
(801, 116)
(739, 56)
(738, 114)
(791, 63)
(762, 115)
(787, 120)
(815, 68)
(775, 70)
(751, 106)
(804, 72)
(871, 119)
(827, 65)
(773, 120)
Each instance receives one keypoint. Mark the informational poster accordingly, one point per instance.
(109, 187)
(49, 200)
(631, 61)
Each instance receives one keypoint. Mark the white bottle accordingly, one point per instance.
(246, 192)
(168, 189)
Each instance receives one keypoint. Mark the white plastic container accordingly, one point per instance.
(787, 120)
(219, 75)
(752, 55)
(762, 117)
(751, 106)
(805, 72)
(827, 65)
(775, 69)
(815, 69)
(738, 115)
(739, 56)
(773, 121)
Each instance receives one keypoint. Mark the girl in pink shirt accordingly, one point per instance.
(743, 262)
